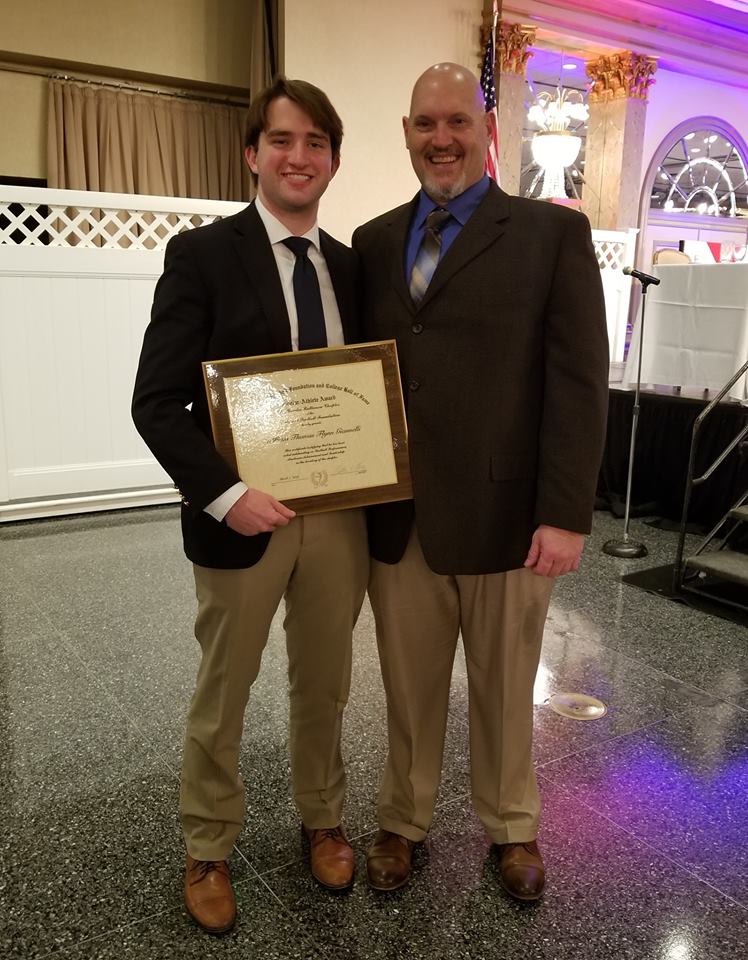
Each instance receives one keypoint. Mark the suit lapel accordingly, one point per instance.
(341, 275)
(399, 225)
(256, 255)
(483, 228)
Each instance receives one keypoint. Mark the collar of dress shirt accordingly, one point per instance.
(461, 208)
(277, 232)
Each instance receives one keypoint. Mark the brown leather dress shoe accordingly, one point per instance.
(331, 857)
(521, 870)
(208, 895)
(388, 860)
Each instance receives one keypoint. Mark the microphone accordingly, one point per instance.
(644, 278)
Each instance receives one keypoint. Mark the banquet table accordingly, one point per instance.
(695, 328)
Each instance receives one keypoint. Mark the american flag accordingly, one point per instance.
(488, 86)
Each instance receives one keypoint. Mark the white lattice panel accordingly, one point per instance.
(67, 218)
(611, 254)
(614, 250)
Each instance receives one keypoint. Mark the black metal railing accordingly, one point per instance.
(692, 481)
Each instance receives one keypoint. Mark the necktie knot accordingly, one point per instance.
(299, 246)
(436, 219)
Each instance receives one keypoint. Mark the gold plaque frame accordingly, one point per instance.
(319, 431)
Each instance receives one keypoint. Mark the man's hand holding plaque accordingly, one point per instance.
(257, 512)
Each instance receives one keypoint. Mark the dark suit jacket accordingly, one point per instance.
(220, 296)
(505, 371)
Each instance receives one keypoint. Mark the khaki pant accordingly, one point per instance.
(320, 564)
(419, 615)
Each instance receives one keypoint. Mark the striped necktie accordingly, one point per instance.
(428, 254)
(309, 311)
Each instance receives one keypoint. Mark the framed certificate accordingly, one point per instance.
(318, 429)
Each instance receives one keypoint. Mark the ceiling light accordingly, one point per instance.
(549, 149)
(553, 114)
(554, 152)
(695, 149)
(689, 136)
(554, 147)
(569, 66)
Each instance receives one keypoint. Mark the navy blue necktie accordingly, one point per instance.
(311, 316)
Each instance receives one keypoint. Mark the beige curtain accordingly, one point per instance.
(121, 142)
(263, 44)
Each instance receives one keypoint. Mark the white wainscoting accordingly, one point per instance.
(77, 272)
(71, 327)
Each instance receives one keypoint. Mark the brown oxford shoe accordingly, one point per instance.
(330, 857)
(388, 860)
(521, 870)
(208, 895)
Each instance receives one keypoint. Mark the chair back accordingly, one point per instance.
(670, 255)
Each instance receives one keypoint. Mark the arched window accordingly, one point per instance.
(702, 171)
(696, 189)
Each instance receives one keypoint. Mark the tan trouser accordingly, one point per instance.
(320, 563)
(419, 615)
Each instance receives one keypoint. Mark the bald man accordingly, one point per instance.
(496, 304)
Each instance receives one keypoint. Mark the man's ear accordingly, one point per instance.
(335, 166)
(250, 155)
(405, 130)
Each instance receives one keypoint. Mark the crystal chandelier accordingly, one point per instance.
(554, 146)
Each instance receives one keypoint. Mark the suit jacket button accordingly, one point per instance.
(413, 385)
(417, 328)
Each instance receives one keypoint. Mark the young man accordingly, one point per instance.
(228, 291)
(496, 304)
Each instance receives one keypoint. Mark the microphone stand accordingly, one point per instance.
(631, 549)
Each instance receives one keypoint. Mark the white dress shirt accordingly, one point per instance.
(285, 260)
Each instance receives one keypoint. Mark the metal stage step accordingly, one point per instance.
(726, 564)
(740, 513)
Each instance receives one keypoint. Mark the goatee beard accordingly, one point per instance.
(443, 194)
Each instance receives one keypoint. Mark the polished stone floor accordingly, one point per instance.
(645, 826)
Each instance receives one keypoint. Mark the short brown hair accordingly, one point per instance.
(305, 95)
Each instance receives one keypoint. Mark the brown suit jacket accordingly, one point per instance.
(505, 370)
(220, 296)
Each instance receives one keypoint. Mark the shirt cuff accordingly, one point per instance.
(219, 507)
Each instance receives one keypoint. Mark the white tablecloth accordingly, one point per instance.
(695, 328)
